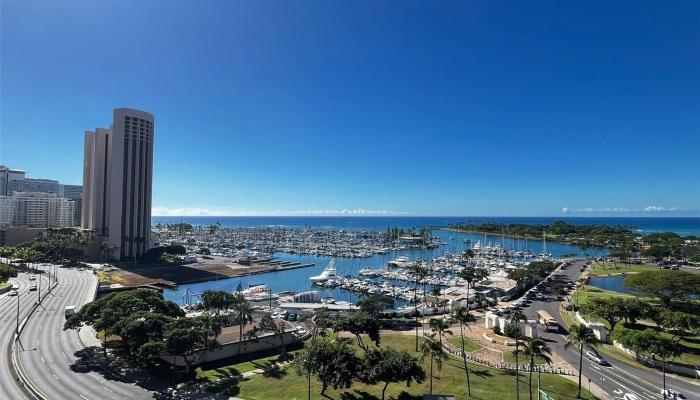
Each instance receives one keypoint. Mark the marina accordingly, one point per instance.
(498, 254)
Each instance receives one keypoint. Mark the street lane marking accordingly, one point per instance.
(42, 360)
(84, 397)
(108, 389)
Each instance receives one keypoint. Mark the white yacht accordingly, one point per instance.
(328, 273)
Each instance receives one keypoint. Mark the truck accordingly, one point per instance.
(545, 319)
(68, 311)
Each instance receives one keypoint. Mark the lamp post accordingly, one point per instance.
(38, 278)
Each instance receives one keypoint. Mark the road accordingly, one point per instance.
(49, 350)
(8, 321)
(618, 379)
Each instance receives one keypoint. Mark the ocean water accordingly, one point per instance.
(681, 225)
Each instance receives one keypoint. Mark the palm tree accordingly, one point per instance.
(535, 348)
(517, 317)
(464, 317)
(420, 272)
(472, 276)
(244, 314)
(431, 348)
(580, 336)
(440, 327)
(214, 323)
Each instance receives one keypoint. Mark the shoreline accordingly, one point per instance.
(509, 236)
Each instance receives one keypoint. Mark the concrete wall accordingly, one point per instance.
(528, 329)
(658, 364)
(16, 236)
(599, 330)
(229, 350)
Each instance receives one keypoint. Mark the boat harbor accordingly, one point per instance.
(390, 274)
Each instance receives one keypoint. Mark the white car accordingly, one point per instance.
(673, 394)
(32, 277)
(12, 293)
(597, 359)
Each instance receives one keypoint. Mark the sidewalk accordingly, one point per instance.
(87, 334)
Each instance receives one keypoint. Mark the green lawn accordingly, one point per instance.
(487, 383)
(4, 284)
(213, 373)
(609, 268)
(588, 292)
(469, 345)
(509, 357)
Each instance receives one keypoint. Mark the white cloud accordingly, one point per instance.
(194, 212)
(357, 211)
(647, 209)
(182, 212)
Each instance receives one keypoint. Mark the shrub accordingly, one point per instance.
(511, 330)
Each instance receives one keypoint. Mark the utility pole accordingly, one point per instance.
(38, 278)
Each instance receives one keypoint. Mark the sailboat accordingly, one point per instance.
(544, 253)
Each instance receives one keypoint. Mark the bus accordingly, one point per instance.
(545, 319)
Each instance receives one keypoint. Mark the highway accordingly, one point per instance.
(8, 321)
(49, 350)
(618, 379)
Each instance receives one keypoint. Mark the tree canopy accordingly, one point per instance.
(665, 285)
(388, 365)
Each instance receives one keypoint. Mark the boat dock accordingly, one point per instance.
(284, 265)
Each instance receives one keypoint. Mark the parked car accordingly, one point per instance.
(292, 317)
(597, 359)
(673, 394)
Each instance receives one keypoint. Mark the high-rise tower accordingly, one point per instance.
(117, 182)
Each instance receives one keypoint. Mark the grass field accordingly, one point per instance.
(108, 277)
(509, 357)
(469, 345)
(583, 294)
(609, 268)
(487, 383)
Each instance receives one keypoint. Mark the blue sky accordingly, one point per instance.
(423, 108)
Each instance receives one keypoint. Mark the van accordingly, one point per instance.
(68, 311)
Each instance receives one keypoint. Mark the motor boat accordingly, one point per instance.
(328, 273)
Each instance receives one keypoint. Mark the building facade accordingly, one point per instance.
(34, 186)
(117, 182)
(42, 210)
(75, 193)
(7, 211)
(7, 176)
